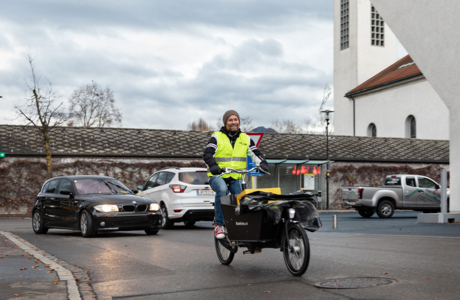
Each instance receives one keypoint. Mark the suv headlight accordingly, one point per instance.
(106, 207)
(154, 207)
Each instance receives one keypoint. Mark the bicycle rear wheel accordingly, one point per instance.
(225, 256)
(297, 256)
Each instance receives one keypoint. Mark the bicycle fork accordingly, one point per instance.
(290, 243)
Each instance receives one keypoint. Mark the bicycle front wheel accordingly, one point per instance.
(225, 256)
(296, 250)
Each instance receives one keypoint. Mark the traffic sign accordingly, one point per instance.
(251, 165)
(256, 137)
(2, 154)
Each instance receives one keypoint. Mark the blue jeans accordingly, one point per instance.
(219, 186)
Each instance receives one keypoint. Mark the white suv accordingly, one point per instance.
(184, 195)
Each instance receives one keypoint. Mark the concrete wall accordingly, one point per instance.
(428, 30)
(389, 108)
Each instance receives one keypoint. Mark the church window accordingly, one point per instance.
(372, 130)
(377, 26)
(344, 25)
(411, 127)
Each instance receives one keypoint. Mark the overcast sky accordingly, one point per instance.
(171, 62)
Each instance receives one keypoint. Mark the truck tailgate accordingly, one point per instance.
(350, 193)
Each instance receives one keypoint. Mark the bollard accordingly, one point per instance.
(334, 221)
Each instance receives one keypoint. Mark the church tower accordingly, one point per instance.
(364, 45)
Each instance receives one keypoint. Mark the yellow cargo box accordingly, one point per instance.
(275, 190)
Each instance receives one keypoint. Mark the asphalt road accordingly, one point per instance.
(422, 261)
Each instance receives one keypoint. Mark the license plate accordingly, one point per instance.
(205, 192)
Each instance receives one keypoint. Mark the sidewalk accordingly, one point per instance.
(24, 276)
(27, 272)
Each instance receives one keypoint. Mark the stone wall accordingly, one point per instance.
(22, 177)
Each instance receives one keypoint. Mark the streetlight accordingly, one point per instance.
(327, 112)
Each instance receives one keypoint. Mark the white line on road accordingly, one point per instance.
(63, 273)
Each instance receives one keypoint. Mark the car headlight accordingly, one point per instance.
(154, 206)
(106, 207)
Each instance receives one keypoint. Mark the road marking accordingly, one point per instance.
(63, 273)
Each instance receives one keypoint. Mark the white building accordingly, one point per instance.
(375, 95)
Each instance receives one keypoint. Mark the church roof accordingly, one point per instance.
(17, 140)
(403, 69)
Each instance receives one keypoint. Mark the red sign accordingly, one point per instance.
(306, 170)
(256, 137)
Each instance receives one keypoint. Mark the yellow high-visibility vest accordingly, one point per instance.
(231, 157)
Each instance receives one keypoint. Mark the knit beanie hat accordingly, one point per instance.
(229, 113)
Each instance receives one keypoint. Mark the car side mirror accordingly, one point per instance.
(437, 187)
(135, 191)
(140, 187)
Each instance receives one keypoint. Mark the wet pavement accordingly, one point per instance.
(373, 258)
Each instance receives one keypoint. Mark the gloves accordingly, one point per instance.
(215, 170)
(264, 165)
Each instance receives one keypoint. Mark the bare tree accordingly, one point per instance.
(326, 95)
(309, 126)
(246, 124)
(42, 110)
(286, 126)
(199, 125)
(92, 106)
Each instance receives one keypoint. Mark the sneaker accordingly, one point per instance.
(219, 232)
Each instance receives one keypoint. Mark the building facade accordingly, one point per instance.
(363, 46)
(399, 102)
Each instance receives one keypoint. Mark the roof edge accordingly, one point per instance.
(348, 95)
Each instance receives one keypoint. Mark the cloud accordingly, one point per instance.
(172, 62)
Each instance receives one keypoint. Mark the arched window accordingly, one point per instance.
(411, 128)
(372, 130)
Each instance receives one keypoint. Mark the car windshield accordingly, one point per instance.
(194, 177)
(118, 186)
(99, 186)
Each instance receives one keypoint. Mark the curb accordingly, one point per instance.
(15, 216)
(75, 291)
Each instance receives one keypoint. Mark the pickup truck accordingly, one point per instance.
(412, 192)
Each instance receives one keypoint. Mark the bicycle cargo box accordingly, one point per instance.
(228, 200)
(253, 226)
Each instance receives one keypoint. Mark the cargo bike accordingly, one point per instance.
(258, 219)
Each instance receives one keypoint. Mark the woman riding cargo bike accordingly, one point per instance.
(254, 220)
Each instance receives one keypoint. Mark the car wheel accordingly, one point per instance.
(151, 231)
(38, 223)
(385, 209)
(167, 223)
(366, 212)
(86, 225)
(189, 223)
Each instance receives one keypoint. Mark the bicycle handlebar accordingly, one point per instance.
(231, 170)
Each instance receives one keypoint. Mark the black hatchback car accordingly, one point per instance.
(91, 204)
